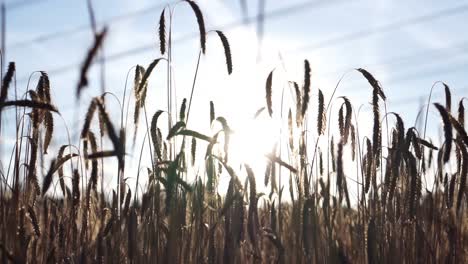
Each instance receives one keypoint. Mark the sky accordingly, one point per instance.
(406, 45)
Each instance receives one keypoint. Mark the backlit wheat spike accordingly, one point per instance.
(458, 156)
(413, 139)
(461, 113)
(306, 88)
(447, 131)
(353, 142)
(341, 121)
(182, 110)
(459, 128)
(321, 117)
(154, 135)
(88, 118)
(446, 188)
(32, 176)
(298, 104)
(39, 96)
(373, 82)
(400, 128)
(139, 72)
(414, 191)
(101, 122)
(60, 169)
(268, 88)
(36, 116)
(320, 162)
(6, 81)
(40, 89)
(162, 33)
(115, 139)
(448, 98)
(212, 112)
(146, 75)
(227, 50)
(85, 152)
(193, 149)
(45, 84)
(76, 188)
(376, 131)
(93, 178)
(347, 123)
(49, 125)
(388, 166)
(143, 94)
(139, 100)
(368, 167)
(137, 89)
(463, 175)
(83, 79)
(48, 178)
(201, 24)
(339, 169)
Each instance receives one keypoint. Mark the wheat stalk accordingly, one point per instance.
(306, 88)
(268, 88)
(227, 50)
(200, 22)
(162, 33)
(447, 131)
(83, 79)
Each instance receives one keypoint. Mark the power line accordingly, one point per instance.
(85, 27)
(129, 15)
(385, 28)
(446, 52)
(12, 5)
(285, 11)
(399, 78)
(278, 13)
(270, 15)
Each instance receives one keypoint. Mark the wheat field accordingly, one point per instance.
(60, 212)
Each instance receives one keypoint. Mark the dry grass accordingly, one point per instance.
(393, 219)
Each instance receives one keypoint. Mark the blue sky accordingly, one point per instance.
(406, 59)
(407, 45)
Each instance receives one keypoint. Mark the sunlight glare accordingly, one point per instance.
(251, 141)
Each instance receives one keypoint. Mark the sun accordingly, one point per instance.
(251, 141)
